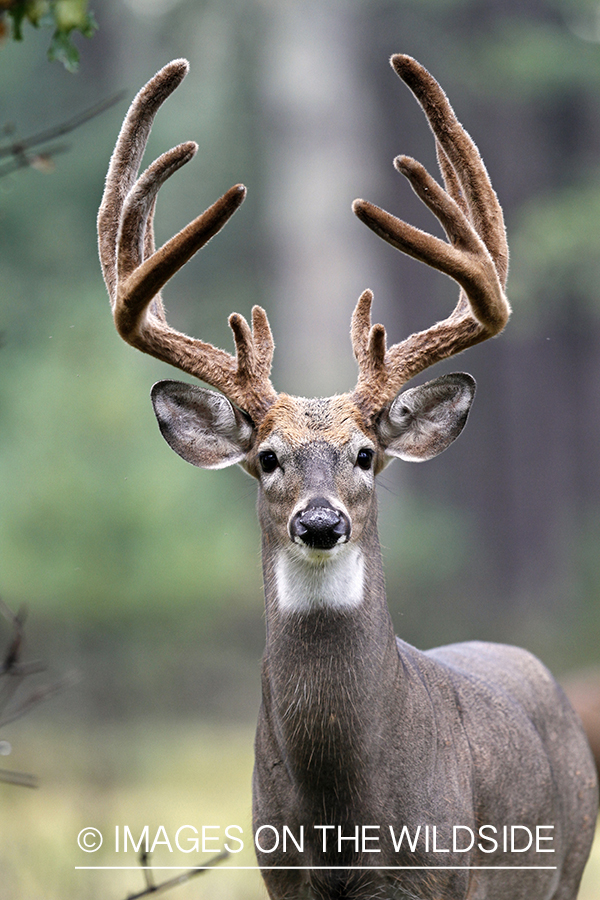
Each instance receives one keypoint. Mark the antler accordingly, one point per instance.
(476, 255)
(135, 273)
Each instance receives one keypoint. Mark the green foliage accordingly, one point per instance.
(64, 16)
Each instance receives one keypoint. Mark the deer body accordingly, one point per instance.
(359, 734)
(359, 728)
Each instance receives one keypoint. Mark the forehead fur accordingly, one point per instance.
(300, 420)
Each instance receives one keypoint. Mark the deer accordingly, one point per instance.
(381, 771)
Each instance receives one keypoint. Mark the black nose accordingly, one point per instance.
(319, 525)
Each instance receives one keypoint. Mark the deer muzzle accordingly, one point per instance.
(319, 525)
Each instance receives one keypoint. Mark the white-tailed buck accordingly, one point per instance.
(381, 771)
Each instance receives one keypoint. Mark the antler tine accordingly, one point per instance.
(463, 169)
(126, 159)
(475, 256)
(135, 272)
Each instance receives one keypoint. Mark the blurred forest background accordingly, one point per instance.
(141, 573)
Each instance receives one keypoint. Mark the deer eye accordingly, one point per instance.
(365, 458)
(268, 461)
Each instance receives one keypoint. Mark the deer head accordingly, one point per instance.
(315, 460)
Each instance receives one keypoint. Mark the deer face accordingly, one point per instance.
(315, 460)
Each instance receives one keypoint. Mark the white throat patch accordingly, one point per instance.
(319, 581)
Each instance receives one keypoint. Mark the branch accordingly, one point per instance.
(152, 888)
(19, 150)
(23, 779)
(12, 675)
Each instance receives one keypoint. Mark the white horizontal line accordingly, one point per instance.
(301, 868)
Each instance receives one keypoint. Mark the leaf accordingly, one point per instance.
(17, 14)
(62, 49)
(64, 16)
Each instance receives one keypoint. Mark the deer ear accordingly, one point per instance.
(424, 420)
(203, 427)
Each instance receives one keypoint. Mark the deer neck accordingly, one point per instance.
(330, 661)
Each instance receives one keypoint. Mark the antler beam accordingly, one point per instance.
(475, 256)
(135, 272)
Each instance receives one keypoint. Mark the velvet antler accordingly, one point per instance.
(135, 272)
(476, 255)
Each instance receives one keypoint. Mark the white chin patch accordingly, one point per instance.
(318, 579)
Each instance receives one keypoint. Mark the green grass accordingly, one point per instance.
(169, 774)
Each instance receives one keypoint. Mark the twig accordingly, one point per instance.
(12, 675)
(19, 150)
(63, 128)
(146, 869)
(23, 779)
(42, 693)
(42, 161)
(152, 888)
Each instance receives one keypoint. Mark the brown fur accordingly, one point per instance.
(300, 421)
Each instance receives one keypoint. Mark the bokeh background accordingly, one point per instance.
(142, 574)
